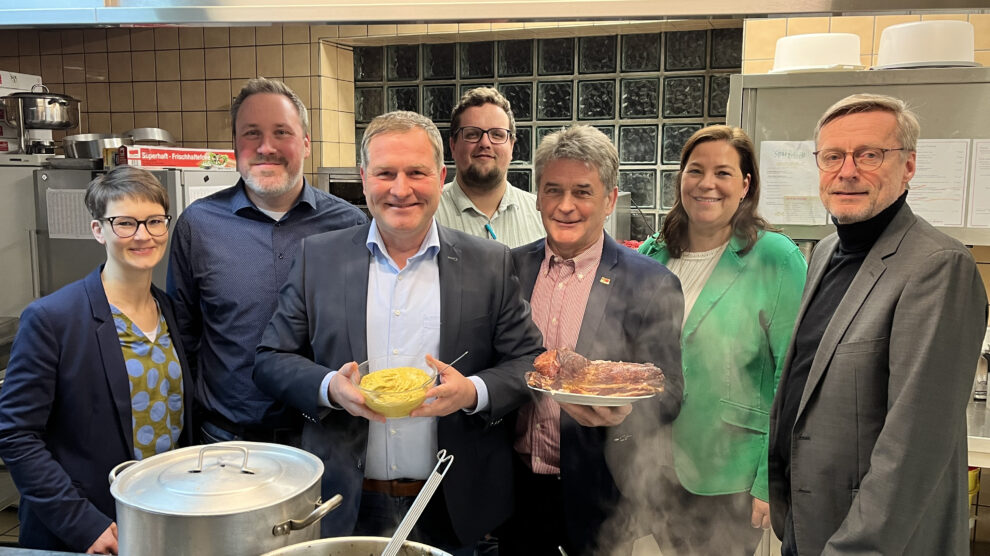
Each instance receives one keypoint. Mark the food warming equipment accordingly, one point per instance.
(39, 110)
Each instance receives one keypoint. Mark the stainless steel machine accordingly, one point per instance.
(65, 249)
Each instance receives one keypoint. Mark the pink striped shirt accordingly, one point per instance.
(559, 299)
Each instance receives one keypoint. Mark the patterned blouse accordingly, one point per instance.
(156, 385)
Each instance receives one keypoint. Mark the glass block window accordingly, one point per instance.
(556, 56)
(648, 92)
(477, 59)
(515, 58)
(403, 62)
(596, 100)
(597, 54)
(520, 97)
(403, 98)
(369, 63)
(438, 61)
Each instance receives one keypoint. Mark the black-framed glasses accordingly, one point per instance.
(127, 226)
(497, 135)
(865, 158)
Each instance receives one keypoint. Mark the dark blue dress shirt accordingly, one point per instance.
(227, 263)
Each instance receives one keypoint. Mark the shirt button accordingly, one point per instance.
(560, 286)
(397, 312)
(554, 320)
(539, 427)
(394, 467)
(395, 352)
(580, 276)
(281, 256)
(392, 431)
(536, 459)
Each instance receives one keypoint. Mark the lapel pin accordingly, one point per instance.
(452, 258)
(605, 280)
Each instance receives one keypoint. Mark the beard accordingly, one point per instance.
(476, 178)
(272, 186)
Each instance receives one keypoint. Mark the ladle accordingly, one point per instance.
(419, 504)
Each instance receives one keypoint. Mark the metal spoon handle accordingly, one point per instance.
(448, 365)
(419, 504)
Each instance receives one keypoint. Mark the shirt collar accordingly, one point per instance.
(584, 263)
(241, 201)
(463, 202)
(428, 249)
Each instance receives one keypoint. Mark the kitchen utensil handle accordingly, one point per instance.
(118, 468)
(223, 446)
(321, 510)
(419, 504)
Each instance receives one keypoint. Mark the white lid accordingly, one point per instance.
(816, 50)
(166, 483)
(926, 43)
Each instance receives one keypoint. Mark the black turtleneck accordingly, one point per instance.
(855, 242)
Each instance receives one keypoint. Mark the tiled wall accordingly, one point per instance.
(760, 35)
(647, 91)
(183, 79)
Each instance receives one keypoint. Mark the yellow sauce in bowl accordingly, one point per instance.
(395, 392)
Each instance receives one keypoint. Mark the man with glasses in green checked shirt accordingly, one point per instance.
(480, 201)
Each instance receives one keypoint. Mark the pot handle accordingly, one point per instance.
(118, 468)
(321, 510)
(241, 449)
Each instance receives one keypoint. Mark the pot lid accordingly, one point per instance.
(216, 479)
(42, 94)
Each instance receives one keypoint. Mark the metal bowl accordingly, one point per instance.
(354, 546)
(91, 145)
(150, 136)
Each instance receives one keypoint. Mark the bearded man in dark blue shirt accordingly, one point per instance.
(231, 253)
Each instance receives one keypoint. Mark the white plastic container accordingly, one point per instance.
(817, 52)
(938, 43)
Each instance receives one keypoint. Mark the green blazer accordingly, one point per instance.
(733, 347)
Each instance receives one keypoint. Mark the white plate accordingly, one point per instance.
(812, 69)
(906, 65)
(588, 399)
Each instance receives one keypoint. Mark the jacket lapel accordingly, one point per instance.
(451, 271)
(529, 268)
(357, 261)
(726, 271)
(111, 356)
(866, 278)
(594, 312)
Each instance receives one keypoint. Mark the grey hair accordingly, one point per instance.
(479, 97)
(401, 121)
(272, 86)
(124, 182)
(582, 143)
(908, 128)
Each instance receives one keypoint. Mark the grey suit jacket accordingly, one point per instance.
(320, 324)
(878, 457)
(634, 315)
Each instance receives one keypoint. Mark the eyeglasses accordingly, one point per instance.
(126, 226)
(865, 158)
(496, 135)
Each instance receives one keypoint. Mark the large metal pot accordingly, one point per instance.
(91, 145)
(225, 499)
(354, 546)
(41, 110)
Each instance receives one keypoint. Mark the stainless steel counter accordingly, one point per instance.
(978, 425)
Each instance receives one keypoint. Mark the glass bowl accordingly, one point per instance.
(400, 388)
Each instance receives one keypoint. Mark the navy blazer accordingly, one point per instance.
(634, 313)
(65, 414)
(320, 324)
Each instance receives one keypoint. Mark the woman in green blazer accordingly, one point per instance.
(742, 287)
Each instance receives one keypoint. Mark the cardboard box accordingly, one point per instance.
(19, 81)
(175, 157)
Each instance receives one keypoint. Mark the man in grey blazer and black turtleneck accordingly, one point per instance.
(868, 429)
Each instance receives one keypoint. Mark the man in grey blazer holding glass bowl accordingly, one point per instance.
(404, 286)
(868, 428)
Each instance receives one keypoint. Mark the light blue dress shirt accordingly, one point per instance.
(403, 326)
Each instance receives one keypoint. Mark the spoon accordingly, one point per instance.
(402, 532)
